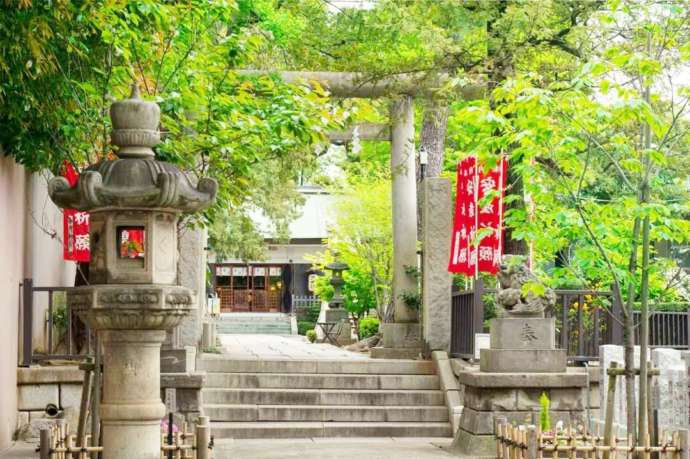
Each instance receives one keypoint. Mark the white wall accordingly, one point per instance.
(13, 183)
(30, 246)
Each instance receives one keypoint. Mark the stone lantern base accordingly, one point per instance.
(400, 341)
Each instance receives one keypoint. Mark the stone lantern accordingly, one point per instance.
(336, 268)
(134, 202)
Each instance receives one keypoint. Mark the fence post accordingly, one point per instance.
(532, 442)
(687, 331)
(477, 309)
(203, 438)
(44, 449)
(684, 442)
(616, 321)
(27, 321)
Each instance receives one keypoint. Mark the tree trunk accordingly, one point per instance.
(432, 140)
(629, 340)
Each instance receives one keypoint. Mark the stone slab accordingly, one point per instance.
(472, 445)
(49, 375)
(174, 361)
(36, 397)
(402, 335)
(70, 396)
(570, 378)
(336, 315)
(394, 353)
(195, 380)
(670, 388)
(523, 333)
(523, 360)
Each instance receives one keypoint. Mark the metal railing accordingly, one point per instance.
(585, 320)
(73, 349)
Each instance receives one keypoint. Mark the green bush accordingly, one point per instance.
(368, 326)
(311, 335)
(303, 326)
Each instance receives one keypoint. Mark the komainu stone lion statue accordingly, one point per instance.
(520, 293)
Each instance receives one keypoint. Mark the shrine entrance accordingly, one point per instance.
(252, 287)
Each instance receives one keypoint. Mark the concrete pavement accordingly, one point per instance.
(321, 448)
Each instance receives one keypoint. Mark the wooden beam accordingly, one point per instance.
(365, 131)
(361, 85)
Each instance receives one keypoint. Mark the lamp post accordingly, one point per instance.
(132, 298)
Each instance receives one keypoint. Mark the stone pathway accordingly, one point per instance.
(262, 347)
(321, 448)
(335, 448)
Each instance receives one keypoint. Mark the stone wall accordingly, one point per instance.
(38, 387)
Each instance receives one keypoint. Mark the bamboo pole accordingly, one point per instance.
(610, 399)
(203, 438)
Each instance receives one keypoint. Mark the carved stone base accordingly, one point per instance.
(400, 341)
(523, 360)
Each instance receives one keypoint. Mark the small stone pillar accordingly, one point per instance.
(134, 203)
(436, 280)
(402, 338)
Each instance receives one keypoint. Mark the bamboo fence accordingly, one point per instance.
(528, 442)
(57, 443)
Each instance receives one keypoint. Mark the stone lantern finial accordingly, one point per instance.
(135, 126)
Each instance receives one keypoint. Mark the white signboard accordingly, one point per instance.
(275, 271)
(259, 271)
(222, 270)
(239, 271)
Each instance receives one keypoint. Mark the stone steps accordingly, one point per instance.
(349, 397)
(221, 364)
(322, 381)
(326, 413)
(244, 396)
(253, 323)
(242, 430)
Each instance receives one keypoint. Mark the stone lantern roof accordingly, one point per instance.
(135, 179)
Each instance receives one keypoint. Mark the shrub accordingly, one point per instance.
(311, 335)
(303, 326)
(368, 326)
(544, 416)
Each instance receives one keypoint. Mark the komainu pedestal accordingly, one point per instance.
(521, 364)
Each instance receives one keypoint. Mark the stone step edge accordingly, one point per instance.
(327, 407)
(300, 391)
(319, 424)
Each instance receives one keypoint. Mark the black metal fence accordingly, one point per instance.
(301, 304)
(585, 320)
(66, 337)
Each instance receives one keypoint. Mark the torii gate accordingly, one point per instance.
(402, 338)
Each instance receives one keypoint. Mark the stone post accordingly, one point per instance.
(436, 280)
(402, 338)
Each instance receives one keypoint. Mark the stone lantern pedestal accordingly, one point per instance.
(134, 203)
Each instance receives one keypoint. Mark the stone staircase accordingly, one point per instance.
(257, 323)
(323, 398)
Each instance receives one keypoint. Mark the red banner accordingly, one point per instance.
(76, 226)
(477, 239)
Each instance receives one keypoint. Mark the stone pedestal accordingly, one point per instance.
(400, 341)
(523, 345)
(342, 318)
(514, 396)
(131, 409)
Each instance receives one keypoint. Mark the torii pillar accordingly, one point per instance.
(402, 337)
